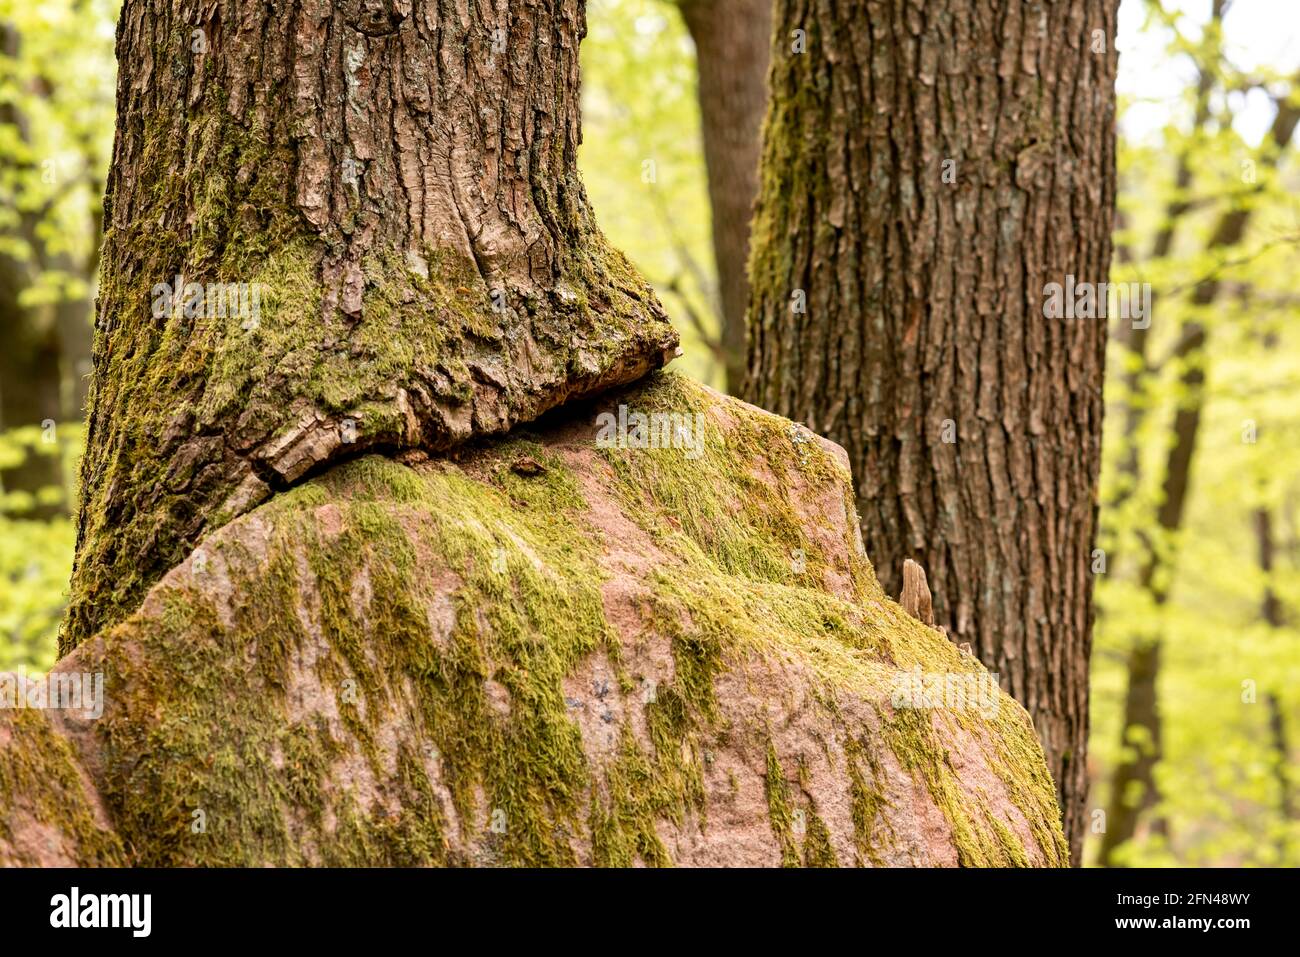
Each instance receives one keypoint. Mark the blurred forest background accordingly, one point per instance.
(1196, 663)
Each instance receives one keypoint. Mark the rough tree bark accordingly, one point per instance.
(396, 182)
(926, 172)
(732, 41)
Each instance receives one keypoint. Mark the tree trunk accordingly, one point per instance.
(732, 40)
(73, 318)
(1274, 617)
(394, 184)
(926, 173)
(1136, 370)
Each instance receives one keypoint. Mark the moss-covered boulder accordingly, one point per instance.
(50, 813)
(557, 648)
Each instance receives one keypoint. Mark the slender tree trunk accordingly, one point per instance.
(396, 184)
(1286, 804)
(1135, 337)
(927, 171)
(30, 392)
(73, 317)
(732, 42)
(1271, 611)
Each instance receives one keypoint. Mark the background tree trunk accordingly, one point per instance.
(76, 334)
(926, 173)
(30, 375)
(732, 43)
(30, 391)
(1275, 617)
(397, 183)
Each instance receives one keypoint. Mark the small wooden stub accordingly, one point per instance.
(916, 599)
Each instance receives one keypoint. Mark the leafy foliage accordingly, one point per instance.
(1227, 680)
(56, 130)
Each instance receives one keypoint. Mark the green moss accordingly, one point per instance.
(527, 611)
(638, 792)
(724, 506)
(980, 838)
(868, 802)
(1010, 845)
(779, 812)
(734, 589)
(1015, 754)
(40, 782)
(817, 849)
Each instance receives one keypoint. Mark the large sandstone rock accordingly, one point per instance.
(538, 651)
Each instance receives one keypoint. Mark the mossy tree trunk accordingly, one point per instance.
(928, 169)
(394, 185)
(732, 40)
